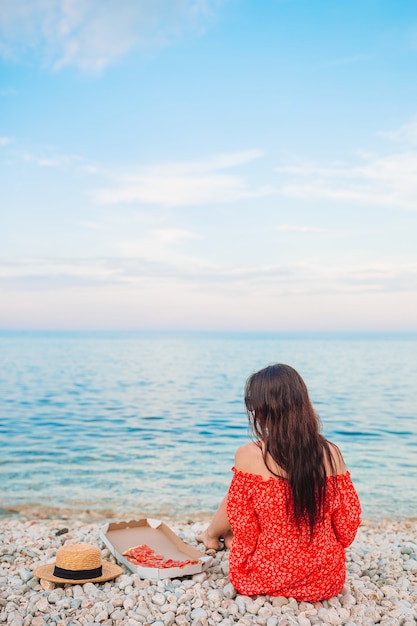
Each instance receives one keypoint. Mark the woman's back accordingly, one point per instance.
(271, 553)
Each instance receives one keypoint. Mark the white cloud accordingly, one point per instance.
(184, 184)
(5, 141)
(172, 235)
(91, 34)
(389, 180)
(135, 293)
(307, 278)
(407, 133)
(50, 158)
(97, 226)
(297, 229)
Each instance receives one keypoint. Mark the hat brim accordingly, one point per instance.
(46, 572)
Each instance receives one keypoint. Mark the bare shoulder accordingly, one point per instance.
(337, 459)
(247, 456)
(249, 459)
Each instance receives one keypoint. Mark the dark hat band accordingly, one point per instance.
(80, 574)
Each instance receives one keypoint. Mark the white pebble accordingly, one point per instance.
(90, 589)
(42, 605)
(25, 575)
(229, 591)
(198, 614)
(169, 618)
(56, 595)
(200, 578)
(158, 599)
(381, 586)
(129, 603)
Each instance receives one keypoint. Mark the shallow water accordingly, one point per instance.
(148, 422)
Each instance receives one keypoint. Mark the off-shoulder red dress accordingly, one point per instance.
(270, 556)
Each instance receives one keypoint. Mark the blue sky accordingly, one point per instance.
(208, 164)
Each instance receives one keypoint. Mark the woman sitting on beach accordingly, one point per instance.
(291, 509)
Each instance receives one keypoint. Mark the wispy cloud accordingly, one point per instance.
(386, 180)
(289, 228)
(5, 141)
(407, 133)
(50, 158)
(156, 244)
(305, 278)
(91, 34)
(173, 235)
(183, 184)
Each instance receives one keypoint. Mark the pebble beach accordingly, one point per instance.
(381, 585)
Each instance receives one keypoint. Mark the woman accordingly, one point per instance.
(291, 509)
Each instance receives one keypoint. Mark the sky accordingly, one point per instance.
(232, 165)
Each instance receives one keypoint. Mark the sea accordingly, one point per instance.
(146, 423)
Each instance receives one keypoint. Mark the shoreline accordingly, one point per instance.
(381, 585)
(38, 511)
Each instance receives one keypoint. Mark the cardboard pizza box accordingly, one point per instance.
(120, 536)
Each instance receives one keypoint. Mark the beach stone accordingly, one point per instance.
(169, 618)
(200, 578)
(252, 608)
(56, 595)
(229, 591)
(383, 592)
(129, 603)
(47, 584)
(410, 565)
(77, 591)
(330, 616)
(198, 614)
(240, 602)
(170, 607)
(102, 616)
(215, 597)
(42, 605)
(25, 574)
(158, 599)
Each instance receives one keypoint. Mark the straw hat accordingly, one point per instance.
(78, 563)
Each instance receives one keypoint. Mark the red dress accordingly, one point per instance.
(270, 556)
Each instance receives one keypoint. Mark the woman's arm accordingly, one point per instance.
(219, 528)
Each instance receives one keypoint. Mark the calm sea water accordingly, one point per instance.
(147, 423)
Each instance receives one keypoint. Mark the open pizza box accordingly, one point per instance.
(121, 536)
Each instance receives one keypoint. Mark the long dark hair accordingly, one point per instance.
(284, 420)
